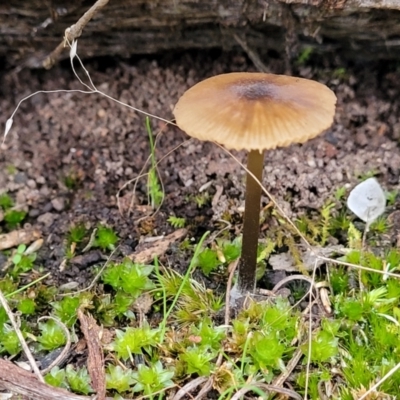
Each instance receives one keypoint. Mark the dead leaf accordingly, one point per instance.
(15, 238)
(282, 262)
(156, 249)
(218, 192)
(143, 303)
(285, 261)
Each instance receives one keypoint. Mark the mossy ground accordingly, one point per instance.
(164, 329)
(163, 323)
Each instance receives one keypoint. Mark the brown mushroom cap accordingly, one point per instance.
(255, 111)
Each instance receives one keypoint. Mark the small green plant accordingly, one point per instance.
(193, 302)
(129, 277)
(313, 383)
(208, 261)
(71, 181)
(209, 335)
(340, 222)
(11, 169)
(14, 217)
(6, 201)
(281, 318)
(340, 73)
(26, 306)
(19, 254)
(197, 360)
(324, 345)
(119, 379)
(78, 380)
(66, 309)
(122, 302)
(304, 55)
(380, 225)
(318, 232)
(155, 192)
(52, 335)
(223, 252)
(354, 237)
(325, 222)
(22, 262)
(202, 199)
(56, 377)
(276, 325)
(232, 250)
(106, 238)
(77, 233)
(340, 193)
(339, 279)
(176, 222)
(151, 380)
(267, 350)
(391, 197)
(134, 341)
(8, 285)
(9, 342)
(368, 174)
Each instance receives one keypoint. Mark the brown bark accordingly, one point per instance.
(357, 29)
(17, 380)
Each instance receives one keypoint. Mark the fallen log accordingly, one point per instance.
(355, 29)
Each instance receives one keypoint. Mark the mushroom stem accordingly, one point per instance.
(251, 224)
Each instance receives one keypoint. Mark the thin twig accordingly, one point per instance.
(149, 396)
(92, 239)
(254, 57)
(185, 390)
(23, 288)
(94, 279)
(291, 365)
(66, 348)
(21, 339)
(269, 388)
(368, 269)
(142, 174)
(377, 384)
(205, 389)
(73, 32)
(290, 278)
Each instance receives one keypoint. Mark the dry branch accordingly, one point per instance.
(22, 382)
(73, 32)
(15, 325)
(95, 366)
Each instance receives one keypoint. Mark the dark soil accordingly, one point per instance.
(68, 154)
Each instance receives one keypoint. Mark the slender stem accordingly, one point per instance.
(251, 225)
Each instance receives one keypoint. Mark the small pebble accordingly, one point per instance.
(20, 177)
(46, 219)
(31, 183)
(58, 203)
(34, 212)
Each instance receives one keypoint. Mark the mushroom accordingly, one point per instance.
(254, 112)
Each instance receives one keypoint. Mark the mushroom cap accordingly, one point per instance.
(255, 111)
